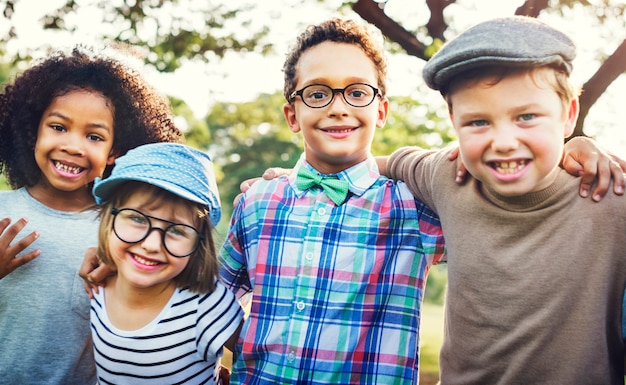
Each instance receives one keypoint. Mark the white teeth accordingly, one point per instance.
(509, 167)
(144, 261)
(66, 168)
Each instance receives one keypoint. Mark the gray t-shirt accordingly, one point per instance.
(44, 311)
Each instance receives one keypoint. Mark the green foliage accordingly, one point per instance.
(170, 31)
(436, 284)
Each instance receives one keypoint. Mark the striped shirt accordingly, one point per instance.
(182, 345)
(336, 290)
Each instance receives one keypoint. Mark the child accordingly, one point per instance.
(335, 255)
(164, 317)
(535, 274)
(62, 123)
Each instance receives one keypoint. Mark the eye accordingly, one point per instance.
(527, 117)
(478, 123)
(358, 92)
(180, 231)
(58, 127)
(95, 138)
(316, 93)
(136, 218)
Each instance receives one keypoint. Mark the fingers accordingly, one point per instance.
(454, 154)
(9, 251)
(608, 169)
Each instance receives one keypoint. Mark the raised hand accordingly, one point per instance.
(9, 250)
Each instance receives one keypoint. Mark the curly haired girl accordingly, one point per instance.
(62, 124)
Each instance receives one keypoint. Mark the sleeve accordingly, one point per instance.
(219, 316)
(431, 234)
(232, 260)
(425, 172)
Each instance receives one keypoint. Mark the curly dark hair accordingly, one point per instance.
(141, 115)
(338, 31)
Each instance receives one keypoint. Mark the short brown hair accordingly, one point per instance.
(201, 271)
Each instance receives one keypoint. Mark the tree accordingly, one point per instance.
(165, 32)
(612, 67)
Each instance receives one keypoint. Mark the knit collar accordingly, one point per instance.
(527, 202)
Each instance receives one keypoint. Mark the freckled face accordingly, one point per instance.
(511, 133)
(339, 135)
(74, 140)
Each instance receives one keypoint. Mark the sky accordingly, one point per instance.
(241, 77)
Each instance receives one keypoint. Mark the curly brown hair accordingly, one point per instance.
(338, 31)
(141, 114)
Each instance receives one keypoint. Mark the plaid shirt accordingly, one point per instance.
(336, 290)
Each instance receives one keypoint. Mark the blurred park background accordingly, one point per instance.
(220, 61)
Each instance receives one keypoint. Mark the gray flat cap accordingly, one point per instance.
(511, 41)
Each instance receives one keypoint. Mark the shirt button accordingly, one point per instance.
(308, 256)
(292, 356)
(321, 211)
(300, 305)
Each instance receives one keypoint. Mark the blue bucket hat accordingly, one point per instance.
(507, 41)
(177, 168)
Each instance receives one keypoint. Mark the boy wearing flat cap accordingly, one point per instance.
(536, 274)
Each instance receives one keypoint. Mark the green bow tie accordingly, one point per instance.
(336, 189)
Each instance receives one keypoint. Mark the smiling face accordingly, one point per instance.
(339, 135)
(74, 142)
(511, 131)
(147, 264)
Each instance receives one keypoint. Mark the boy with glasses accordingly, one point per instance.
(334, 255)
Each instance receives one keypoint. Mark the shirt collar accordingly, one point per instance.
(360, 177)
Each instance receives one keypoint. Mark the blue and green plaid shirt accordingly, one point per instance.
(336, 290)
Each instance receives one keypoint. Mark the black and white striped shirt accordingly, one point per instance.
(182, 345)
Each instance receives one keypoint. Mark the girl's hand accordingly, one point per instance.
(9, 259)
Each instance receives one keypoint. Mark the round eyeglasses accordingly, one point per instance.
(320, 95)
(133, 226)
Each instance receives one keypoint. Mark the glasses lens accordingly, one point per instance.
(133, 226)
(317, 95)
(180, 240)
(359, 94)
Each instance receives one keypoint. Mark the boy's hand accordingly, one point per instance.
(582, 157)
(269, 174)
(93, 271)
(9, 259)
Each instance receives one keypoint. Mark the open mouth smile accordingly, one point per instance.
(510, 167)
(67, 169)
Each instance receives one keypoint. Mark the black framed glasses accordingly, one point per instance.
(320, 95)
(133, 226)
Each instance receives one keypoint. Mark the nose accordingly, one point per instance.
(74, 145)
(153, 241)
(504, 139)
(338, 108)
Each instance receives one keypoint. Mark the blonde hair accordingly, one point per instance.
(555, 77)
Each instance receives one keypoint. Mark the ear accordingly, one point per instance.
(111, 158)
(383, 110)
(571, 118)
(289, 110)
